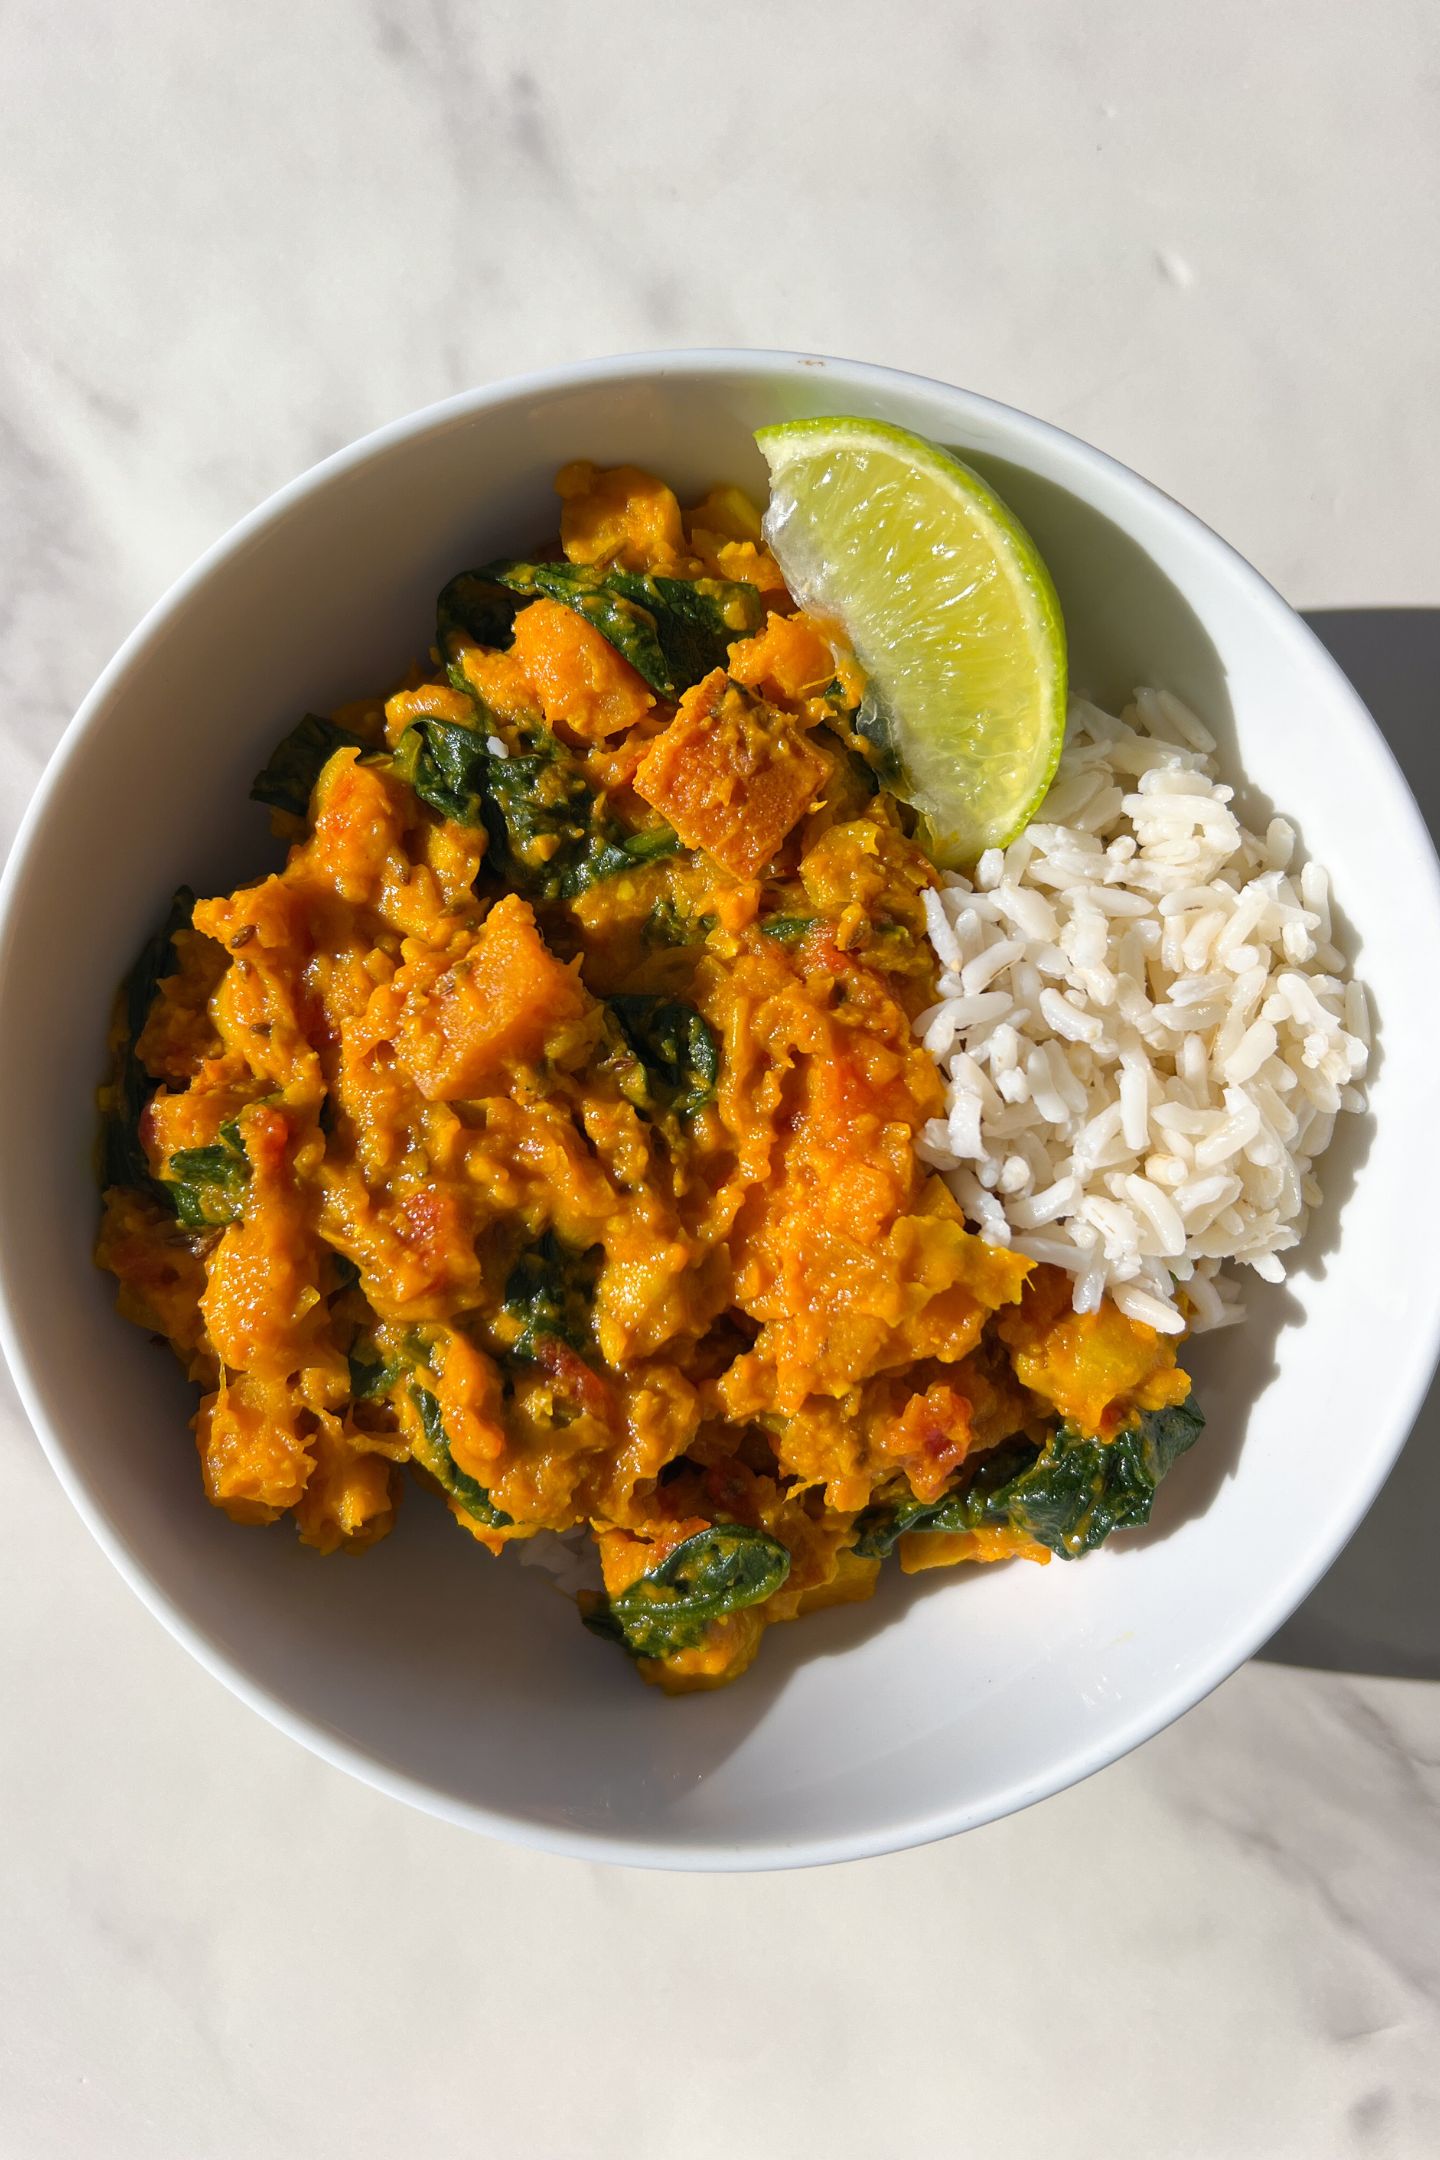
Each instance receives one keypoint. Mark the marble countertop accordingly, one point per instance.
(233, 240)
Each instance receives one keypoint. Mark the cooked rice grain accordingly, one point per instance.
(1146, 1031)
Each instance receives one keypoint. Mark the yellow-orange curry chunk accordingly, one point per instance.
(549, 1123)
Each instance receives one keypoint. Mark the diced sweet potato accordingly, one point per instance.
(1096, 1369)
(731, 774)
(580, 680)
(359, 814)
(726, 513)
(499, 1006)
(791, 658)
(499, 679)
(254, 1459)
(621, 516)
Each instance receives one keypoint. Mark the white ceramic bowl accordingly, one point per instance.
(468, 1687)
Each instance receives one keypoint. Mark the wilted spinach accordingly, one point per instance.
(206, 1185)
(125, 1161)
(474, 607)
(788, 929)
(717, 1571)
(435, 1456)
(549, 1291)
(667, 925)
(546, 834)
(1070, 1495)
(974, 1505)
(696, 621)
(1080, 1490)
(447, 766)
(370, 1378)
(671, 630)
(608, 858)
(676, 1046)
(288, 781)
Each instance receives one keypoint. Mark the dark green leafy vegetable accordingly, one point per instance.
(972, 1506)
(288, 781)
(608, 858)
(717, 1571)
(1080, 1490)
(546, 835)
(372, 1377)
(676, 1046)
(671, 630)
(630, 629)
(1070, 1495)
(447, 766)
(549, 1291)
(472, 606)
(666, 925)
(696, 621)
(788, 929)
(435, 1456)
(206, 1186)
(125, 1161)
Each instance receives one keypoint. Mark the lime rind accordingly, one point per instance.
(949, 608)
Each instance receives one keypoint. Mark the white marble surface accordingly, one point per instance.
(234, 238)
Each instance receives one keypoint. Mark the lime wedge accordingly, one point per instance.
(950, 611)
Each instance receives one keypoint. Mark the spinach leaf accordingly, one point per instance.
(288, 781)
(549, 1290)
(671, 630)
(546, 836)
(717, 1571)
(206, 1185)
(473, 607)
(788, 929)
(371, 1378)
(629, 628)
(608, 858)
(124, 1159)
(447, 766)
(1080, 1490)
(675, 1045)
(975, 1505)
(435, 1456)
(1069, 1496)
(696, 621)
(666, 925)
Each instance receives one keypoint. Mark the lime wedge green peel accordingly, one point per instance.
(949, 609)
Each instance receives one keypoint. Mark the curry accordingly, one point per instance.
(543, 1133)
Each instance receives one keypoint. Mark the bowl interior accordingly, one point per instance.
(468, 1685)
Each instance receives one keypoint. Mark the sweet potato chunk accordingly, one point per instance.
(731, 774)
(621, 516)
(1096, 1369)
(791, 658)
(580, 680)
(499, 1006)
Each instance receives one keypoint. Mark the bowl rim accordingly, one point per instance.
(899, 1831)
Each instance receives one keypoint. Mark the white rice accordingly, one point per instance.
(568, 1555)
(1145, 1030)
